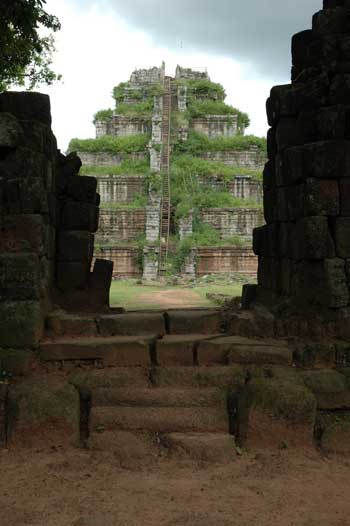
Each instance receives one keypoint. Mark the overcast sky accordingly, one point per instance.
(244, 44)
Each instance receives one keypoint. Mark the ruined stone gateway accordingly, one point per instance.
(191, 383)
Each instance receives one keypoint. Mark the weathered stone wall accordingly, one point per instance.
(150, 263)
(242, 187)
(304, 249)
(147, 76)
(120, 224)
(190, 74)
(233, 221)
(110, 159)
(216, 125)
(252, 158)
(120, 188)
(186, 225)
(103, 128)
(125, 261)
(125, 126)
(215, 260)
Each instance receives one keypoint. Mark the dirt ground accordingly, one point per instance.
(172, 298)
(268, 488)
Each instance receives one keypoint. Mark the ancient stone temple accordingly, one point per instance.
(304, 248)
(176, 175)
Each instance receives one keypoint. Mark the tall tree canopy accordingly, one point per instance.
(26, 43)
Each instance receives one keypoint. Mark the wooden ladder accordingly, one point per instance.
(165, 211)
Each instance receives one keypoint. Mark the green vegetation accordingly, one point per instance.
(204, 88)
(138, 109)
(111, 144)
(127, 167)
(129, 294)
(148, 92)
(26, 44)
(189, 167)
(198, 143)
(103, 115)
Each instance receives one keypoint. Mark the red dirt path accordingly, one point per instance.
(282, 488)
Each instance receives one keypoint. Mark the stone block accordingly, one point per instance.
(287, 133)
(72, 275)
(177, 350)
(21, 324)
(280, 104)
(259, 239)
(36, 136)
(16, 362)
(10, 131)
(82, 188)
(270, 205)
(282, 203)
(24, 163)
(27, 106)
(248, 296)
(271, 144)
(75, 245)
(194, 322)
(269, 176)
(293, 197)
(79, 216)
(342, 236)
(313, 239)
(60, 323)
(315, 354)
(44, 412)
(340, 89)
(19, 277)
(132, 324)
(100, 281)
(331, 123)
(23, 233)
(322, 284)
(68, 166)
(321, 198)
(344, 191)
(329, 21)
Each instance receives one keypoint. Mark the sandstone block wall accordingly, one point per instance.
(120, 224)
(304, 249)
(233, 221)
(126, 126)
(252, 158)
(242, 187)
(120, 188)
(126, 264)
(110, 159)
(216, 260)
(216, 125)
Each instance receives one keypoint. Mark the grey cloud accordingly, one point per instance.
(257, 32)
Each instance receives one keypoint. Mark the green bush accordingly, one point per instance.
(199, 143)
(111, 144)
(195, 166)
(139, 201)
(138, 109)
(103, 115)
(201, 108)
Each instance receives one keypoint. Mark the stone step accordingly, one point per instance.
(216, 376)
(205, 447)
(130, 447)
(61, 324)
(179, 349)
(117, 351)
(235, 349)
(194, 322)
(113, 377)
(159, 419)
(158, 397)
(132, 324)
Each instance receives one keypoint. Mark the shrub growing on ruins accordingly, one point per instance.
(103, 115)
(198, 143)
(26, 55)
(111, 144)
(195, 166)
(137, 109)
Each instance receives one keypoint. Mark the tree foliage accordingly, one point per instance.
(25, 51)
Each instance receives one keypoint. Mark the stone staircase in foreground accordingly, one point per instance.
(156, 382)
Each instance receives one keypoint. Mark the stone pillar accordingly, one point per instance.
(182, 98)
(150, 263)
(304, 250)
(153, 220)
(28, 216)
(101, 128)
(186, 225)
(190, 265)
(155, 158)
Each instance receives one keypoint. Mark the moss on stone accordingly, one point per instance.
(313, 354)
(21, 324)
(42, 400)
(324, 381)
(283, 399)
(15, 362)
